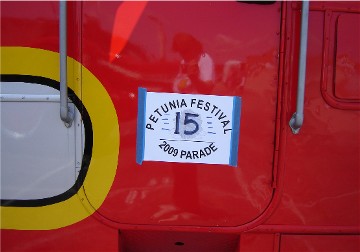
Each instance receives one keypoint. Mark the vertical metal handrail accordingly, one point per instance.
(65, 113)
(297, 119)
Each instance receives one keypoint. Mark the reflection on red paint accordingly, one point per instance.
(127, 15)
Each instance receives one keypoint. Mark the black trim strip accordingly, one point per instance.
(87, 149)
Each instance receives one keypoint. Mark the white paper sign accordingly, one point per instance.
(188, 128)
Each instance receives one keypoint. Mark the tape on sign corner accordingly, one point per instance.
(233, 159)
(140, 139)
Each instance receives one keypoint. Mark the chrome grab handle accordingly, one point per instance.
(297, 119)
(65, 112)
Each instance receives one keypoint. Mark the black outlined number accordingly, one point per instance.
(187, 121)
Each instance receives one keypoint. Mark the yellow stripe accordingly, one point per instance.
(106, 141)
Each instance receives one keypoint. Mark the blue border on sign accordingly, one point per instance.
(140, 138)
(235, 133)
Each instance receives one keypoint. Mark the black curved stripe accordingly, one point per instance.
(87, 149)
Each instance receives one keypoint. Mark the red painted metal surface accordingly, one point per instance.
(149, 241)
(322, 163)
(259, 242)
(319, 243)
(284, 184)
(347, 74)
(340, 72)
(187, 194)
(88, 235)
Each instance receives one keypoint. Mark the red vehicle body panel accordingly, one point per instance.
(288, 192)
(188, 194)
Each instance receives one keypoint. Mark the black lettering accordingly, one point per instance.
(207, 106)
(225, 123)
(200, 104)
(157, 111)
(214, 107)
(207, 151)
(212, 147)
(183, 103)
(193, 102)
(222, 116)
(163, 144)
(166, 109)
(226, 130)
(172, 105)
(153, 118)
(148, 126)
